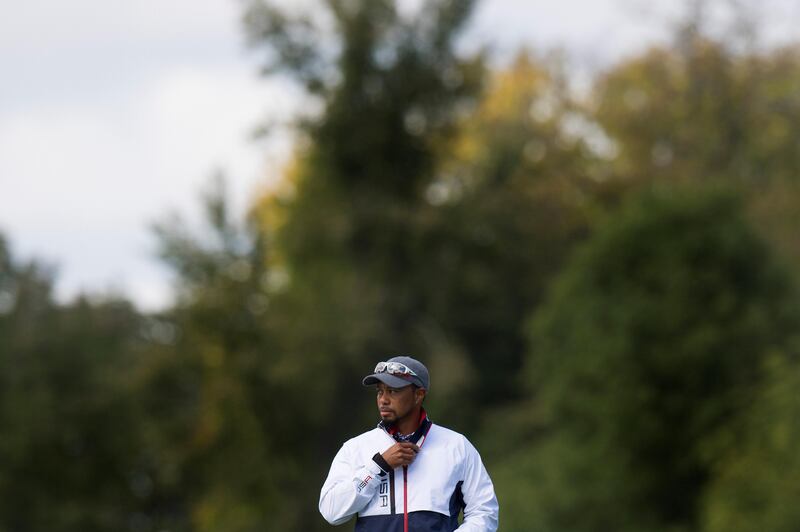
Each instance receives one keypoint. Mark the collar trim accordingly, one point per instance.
(414, 437)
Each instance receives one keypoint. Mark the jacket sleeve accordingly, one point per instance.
(348, 488)
(480, 502)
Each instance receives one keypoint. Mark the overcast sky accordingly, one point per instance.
(115, 113)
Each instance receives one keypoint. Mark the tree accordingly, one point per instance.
(68, 457)
(652, 343)
(213, 416)
(706, 110)
(510, 201)
(350, 233)
(756, 485)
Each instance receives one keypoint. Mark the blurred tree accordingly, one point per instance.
(214, 419)
(756, 487)
(510, 199)
(432, 223)
(652, 344)
(351, 228)
(389, 98)
(706, 109)
(68, 454)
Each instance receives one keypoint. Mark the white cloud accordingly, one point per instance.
(83, 178)
(43, 24)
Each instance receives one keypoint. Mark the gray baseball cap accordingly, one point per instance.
(399, 379)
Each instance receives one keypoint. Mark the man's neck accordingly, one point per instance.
(409, 423)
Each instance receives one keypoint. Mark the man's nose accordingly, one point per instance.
(383, 399)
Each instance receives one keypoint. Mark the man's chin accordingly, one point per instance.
(388, 417)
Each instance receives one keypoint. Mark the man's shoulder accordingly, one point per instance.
(449, 435)
(364, 437)
(455, 442)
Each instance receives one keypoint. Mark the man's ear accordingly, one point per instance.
(420, 393)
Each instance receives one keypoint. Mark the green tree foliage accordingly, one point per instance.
(653, 343)
(68, 460)
(704, 110)
(411, 225)
(353, 231)
(510, 200)
(359, 188)
(214, 419)
(755, 486)
(352, 234)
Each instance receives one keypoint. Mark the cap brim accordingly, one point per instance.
(388, 380)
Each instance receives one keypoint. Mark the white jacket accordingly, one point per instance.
(446, 477)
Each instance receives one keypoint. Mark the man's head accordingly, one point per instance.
(401, 384)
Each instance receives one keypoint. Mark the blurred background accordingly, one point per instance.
(215, 219)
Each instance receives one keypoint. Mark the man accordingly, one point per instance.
(408, 474)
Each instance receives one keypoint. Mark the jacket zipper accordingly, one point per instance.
(405, 498)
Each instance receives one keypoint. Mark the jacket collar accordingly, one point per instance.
(422, 429)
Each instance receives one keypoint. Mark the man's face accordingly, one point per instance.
(396, 403)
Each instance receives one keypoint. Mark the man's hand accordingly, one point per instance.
(400, 454)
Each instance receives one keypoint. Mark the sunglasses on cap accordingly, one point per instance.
(394, 368)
